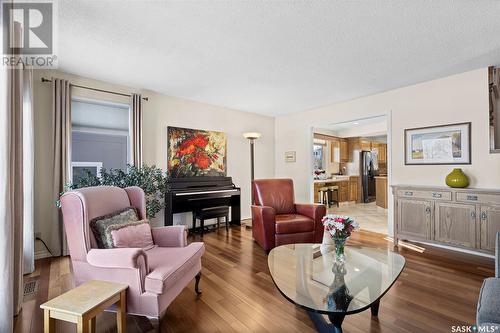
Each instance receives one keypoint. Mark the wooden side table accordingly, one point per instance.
(82, 304)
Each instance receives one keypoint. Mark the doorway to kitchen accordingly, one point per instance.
(350, 170)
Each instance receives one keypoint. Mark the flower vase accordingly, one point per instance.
(339, 250)
(327, 245)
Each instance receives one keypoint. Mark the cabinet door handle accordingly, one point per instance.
(436, 195)
(473, 214)
(428, 210)
(471, 197)
(484, 216)
(409, 193)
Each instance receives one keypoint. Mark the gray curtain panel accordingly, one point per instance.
(61, 116)
(15, 176)
(136, 130)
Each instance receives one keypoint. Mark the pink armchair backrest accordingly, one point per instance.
(275, 193)
(80, 206)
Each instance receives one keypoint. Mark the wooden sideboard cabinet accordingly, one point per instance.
(464, 218)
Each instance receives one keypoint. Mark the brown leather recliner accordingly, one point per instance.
(278, 220)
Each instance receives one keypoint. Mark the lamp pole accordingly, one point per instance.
(252, 159)
(252, 136)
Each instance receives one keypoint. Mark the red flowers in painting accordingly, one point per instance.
(202, 161)
(190, 145)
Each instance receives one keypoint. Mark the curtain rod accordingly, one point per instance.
(96, 89)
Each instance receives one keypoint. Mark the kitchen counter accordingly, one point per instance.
(347, 187)
(332, 180)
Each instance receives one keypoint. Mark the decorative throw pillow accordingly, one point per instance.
(99, 225)
(133, 234)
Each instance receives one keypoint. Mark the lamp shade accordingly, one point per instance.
(251, 135)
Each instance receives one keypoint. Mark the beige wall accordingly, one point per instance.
(458, 98)
(161, 111)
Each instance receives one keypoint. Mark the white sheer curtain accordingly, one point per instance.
(11, 192)
(28, 174)
(16, 180)
(6, 242)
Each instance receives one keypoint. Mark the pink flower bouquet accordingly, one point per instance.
(339, 226)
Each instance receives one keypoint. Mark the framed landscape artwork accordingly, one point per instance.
(195, 153)
(446, 144)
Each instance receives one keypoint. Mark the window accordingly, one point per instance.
(318, 157)
(100, 137)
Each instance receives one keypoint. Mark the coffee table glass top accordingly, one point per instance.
(312, 280)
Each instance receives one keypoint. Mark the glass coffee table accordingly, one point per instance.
(307, 275)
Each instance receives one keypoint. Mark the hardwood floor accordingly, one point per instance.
(436, 290)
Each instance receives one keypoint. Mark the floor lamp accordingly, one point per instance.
(251, 136)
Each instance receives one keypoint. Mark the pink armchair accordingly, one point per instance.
(155, 277)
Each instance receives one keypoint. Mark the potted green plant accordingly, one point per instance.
(151, 179)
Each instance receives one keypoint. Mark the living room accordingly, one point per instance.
(209, 220)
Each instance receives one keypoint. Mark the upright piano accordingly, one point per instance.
(190, 194)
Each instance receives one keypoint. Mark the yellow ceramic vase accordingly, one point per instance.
(457, 178)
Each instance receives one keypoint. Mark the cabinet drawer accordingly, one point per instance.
(422, 194)
(478, 197)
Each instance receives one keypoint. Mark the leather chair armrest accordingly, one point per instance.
(263, 226)
(170, 236)
(315, 212)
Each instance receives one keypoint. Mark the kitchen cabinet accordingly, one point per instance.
(353, 188)
(382, 153)
(353, 146)
(365, 144)
(465, 218)
(344, 191)
(381, 191)
(335, 151)
(344, 150)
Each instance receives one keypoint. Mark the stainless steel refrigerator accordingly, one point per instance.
(368, 170)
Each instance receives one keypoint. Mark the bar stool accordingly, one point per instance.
(331, 190)
(323, 194)
(211, 213)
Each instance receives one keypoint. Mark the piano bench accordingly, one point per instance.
(211, 213)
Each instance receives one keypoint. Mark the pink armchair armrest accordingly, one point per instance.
(315, 212)
(170, 236)
(118, 258)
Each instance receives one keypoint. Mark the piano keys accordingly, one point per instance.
(190, 194)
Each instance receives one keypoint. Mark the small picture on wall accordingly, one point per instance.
(446, 144)
(290, 156)
(195, 153)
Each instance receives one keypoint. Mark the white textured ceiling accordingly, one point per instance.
(276, 57)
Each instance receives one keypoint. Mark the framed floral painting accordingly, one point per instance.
(195, 153)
